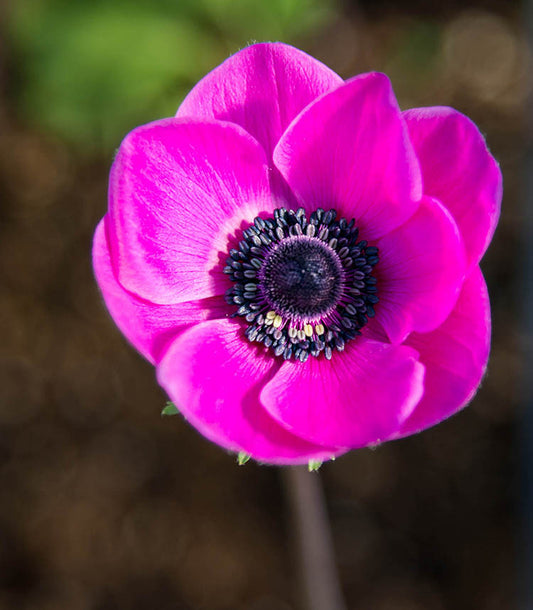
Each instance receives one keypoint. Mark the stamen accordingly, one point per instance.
(304, 286)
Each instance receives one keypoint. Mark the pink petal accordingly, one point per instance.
(178, 191)
(261, 88)
(350, 150)
(420, 272)
(458, 169)
(361, 396)
(455, 356)
(214, 376)
(149, 327)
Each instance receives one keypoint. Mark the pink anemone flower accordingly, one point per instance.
(299, 258)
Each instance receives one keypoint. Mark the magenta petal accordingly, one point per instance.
(214, 376)
(362, 396)
(458, 169)
(350, 151)
(261, 88)
(178, 191)
(455, 356)
(149, 327)
(420, 272)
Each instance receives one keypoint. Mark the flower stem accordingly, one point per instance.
(313, 543)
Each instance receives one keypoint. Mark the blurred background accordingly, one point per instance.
(106, 505)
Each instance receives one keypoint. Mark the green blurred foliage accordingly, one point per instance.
(413, 56)
(245, 20)
(90, 70)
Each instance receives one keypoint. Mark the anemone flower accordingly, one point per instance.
(299, 258)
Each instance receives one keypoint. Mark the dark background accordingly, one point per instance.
(106, 505)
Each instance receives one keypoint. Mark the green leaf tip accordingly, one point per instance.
(242, 458)
(170, 409)
(314, 465)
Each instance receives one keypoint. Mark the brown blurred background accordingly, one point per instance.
(106, 505)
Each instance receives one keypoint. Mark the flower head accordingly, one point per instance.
(299, 258)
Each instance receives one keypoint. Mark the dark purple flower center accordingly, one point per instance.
(302, 277)
(304, 286)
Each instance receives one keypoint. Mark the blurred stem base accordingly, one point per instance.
(312, 540)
